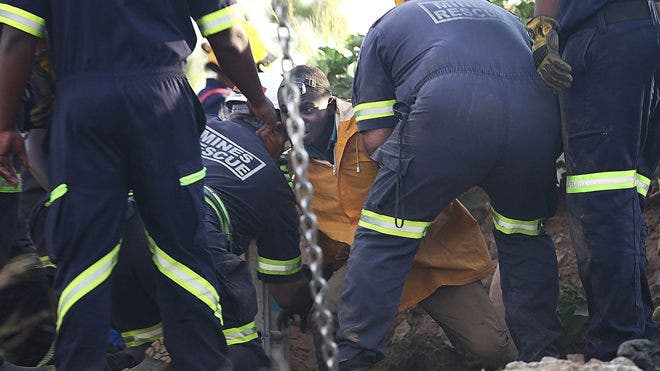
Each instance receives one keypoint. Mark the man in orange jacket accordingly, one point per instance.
(453, 259)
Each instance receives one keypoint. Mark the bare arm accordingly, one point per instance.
(291, 294)
(16, 55)
(375, 138)
(235, 58)
(546, 7)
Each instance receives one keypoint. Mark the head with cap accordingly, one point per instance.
(317, 105)
(237, 108)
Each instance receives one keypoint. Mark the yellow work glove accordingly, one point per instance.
(555, 71)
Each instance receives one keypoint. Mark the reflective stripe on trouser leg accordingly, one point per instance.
(85, 282)
(395, 227)
(643, 184)
(186, 278)
(134, 338)
(512, 226)
(242, 334)
(604, 181)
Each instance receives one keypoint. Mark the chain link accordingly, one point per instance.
(304, 190)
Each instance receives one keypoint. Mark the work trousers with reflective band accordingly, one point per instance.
(508, 146)
(608, 116)
(113, 134)
(239, 296)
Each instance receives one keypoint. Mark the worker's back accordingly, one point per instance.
(117, 36)
(420, 38)
(239, 169)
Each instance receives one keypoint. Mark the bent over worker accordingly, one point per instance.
(125, 107)
(454, 104)
(453, 257)
(610, 106)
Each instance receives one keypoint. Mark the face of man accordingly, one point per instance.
(316, 114)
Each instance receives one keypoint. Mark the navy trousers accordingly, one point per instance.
(112, 133)
(464, 129)
(610, 128)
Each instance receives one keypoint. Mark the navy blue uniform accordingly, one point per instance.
(455, 81)
(237, 212)
(125, 107)
(611, 134)
(213, 97)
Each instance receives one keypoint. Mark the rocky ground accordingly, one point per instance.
(418, 343)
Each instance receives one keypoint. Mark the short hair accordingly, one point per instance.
(314, 80)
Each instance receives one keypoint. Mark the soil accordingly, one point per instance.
(415, 323)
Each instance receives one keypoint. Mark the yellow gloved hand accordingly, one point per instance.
(545, 49)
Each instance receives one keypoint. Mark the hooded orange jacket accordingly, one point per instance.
(453, 252)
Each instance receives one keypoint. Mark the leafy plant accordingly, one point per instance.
(339, 64)
(574, 317)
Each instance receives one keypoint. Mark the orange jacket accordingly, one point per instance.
(452, 253)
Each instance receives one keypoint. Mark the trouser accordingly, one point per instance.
(611, 121)
(507, 141)
(9, 200)
(135, 308)
(111, 134)
(466, 315)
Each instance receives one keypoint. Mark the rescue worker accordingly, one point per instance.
(233, 218)
(454, 104)
(452, 260)
(610, 120)
(131, 87)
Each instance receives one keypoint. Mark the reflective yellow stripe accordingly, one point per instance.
(643, 184)
(56, 193)
(240, 335)
(219, 20)
(85, 282)
(192, 178)
(6, 188)
(138, 337)
(388, 225)
(605, 181)
(22, 20)
(374, 110)
(512, 226)
(186, 278)
(278, 267)
(45, 262)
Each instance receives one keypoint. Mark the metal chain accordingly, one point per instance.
(304, 190)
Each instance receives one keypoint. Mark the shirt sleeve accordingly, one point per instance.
(213, 16)
(278, 244)
(373, 89)
(26, 15)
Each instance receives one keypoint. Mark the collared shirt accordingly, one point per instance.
(419, 39)
(118, 36)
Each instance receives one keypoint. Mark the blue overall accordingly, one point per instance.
(478, 115)
(611, 131)
(126, 118)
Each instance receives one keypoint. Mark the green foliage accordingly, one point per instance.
(522, 8)
(339, 65)
(574, 317)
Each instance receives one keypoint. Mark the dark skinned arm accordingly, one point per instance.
(375, 138)
(16, 55)
(235, 58)
(546, 7)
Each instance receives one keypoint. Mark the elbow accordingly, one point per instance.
(233, 41)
